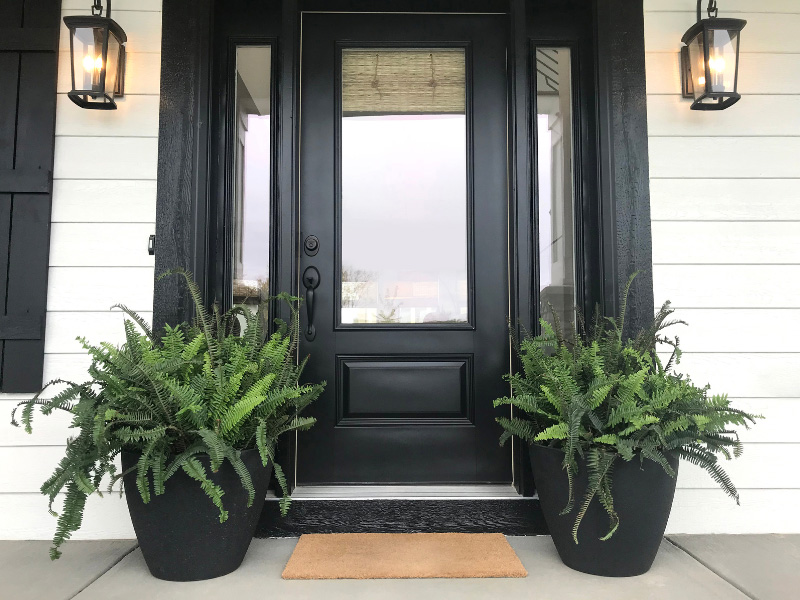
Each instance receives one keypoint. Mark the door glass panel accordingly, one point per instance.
(404, 199)
(555, 183)
(252, 181)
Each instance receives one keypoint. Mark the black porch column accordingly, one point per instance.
(182, 154)
(624, 164)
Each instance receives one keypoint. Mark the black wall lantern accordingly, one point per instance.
(710, 60)
(97, 49)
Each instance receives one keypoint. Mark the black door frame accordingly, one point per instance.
(616, 205)
(451, 446)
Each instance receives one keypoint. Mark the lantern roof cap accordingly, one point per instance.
(716, 23)
(89, 21)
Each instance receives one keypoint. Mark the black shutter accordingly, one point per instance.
(29, 35)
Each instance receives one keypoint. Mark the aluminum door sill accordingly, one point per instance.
(405, 492)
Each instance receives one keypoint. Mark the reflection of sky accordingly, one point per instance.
(404, 195)
(545, 202)
(256, 209)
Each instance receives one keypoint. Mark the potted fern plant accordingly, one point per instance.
(607, 422)
(194, 415)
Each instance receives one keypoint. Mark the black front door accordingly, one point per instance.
(404, 247)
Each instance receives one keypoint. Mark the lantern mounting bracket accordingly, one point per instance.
(713, 11)
(97, 8)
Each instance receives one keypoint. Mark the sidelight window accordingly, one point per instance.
(555, 183)
(252, 174)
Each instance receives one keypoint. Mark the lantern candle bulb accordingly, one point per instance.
(90, 63)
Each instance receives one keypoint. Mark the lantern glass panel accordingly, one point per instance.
(697, 57)
(87, 56)
(112, 68)
(717, 76)
(722, 51)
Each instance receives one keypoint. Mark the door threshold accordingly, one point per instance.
(405, 492)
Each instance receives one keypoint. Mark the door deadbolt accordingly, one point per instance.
(311, 245)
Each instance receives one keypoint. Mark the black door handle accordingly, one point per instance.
(311, 280)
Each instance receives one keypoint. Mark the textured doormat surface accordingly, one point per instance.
(403, 556)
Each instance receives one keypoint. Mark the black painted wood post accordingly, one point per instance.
(182, 198)
(524, 265)
(29, 36)
(624, 163)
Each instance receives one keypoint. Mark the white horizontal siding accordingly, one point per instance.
(728, 286)
(104, 197)
(100, 244)
(95, 327)
(739, 330)
(97, 289)
(107, 201)
(703, 157)
(725, 198)
(767, 115)
(711, 511)
(726, 242)
(25, 517)
(70, 367)
(106, 158)
(761, 466)
(745, 374)
(136, 116)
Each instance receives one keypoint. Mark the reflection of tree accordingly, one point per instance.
(252, 293)
(391, 317)
(441, 315)
(388, 309)
(357, 283)
(249, 291)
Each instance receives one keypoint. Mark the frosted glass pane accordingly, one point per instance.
(252, 179)
(404, 187)
(555, 184)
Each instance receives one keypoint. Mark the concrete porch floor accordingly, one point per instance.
(725, 567)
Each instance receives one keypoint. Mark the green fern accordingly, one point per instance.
(213, 388)
(607, 397)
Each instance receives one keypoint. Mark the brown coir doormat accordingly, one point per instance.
(403, 556)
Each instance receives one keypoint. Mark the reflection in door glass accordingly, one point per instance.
(252, 175)
(404, 186)
(555, 183)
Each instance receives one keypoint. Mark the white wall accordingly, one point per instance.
(104, 198)
(726, 226)
(726, 250)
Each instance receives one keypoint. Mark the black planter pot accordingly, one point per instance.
(179, 532)
(642, 498)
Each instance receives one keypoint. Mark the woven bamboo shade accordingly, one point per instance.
(402, 82)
